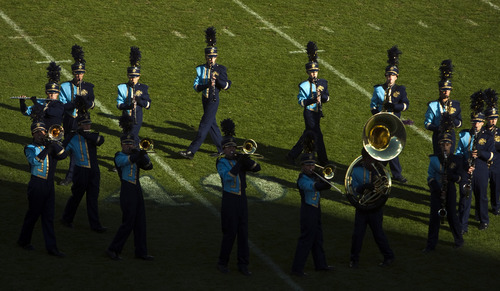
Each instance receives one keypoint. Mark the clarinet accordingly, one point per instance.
(387, 98)
(318, 94)
(211, 69)
(444, 188)
(471, 162)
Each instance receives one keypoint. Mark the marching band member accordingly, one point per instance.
(476, 146)
(443, 108)
(232, 170)
(491, 114)
(445, 169)
(312, 94)
(77, 97)
(390, 97)
(211, 78)
(128, 163)
(311, 230)
(50, 111)
(42, 157)
(87, 177)
(133, 96)
(364, 178)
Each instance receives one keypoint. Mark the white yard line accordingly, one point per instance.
(163, 164)
(491, 4)
(321, 61)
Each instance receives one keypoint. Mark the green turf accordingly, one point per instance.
(183, 226)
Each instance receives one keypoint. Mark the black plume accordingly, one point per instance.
(126, 122)
(135, 56)
(77, 53)
(446, 69)
(393, 56)
(54, 72)
(476, 103)
(490, 97)
(312, 52)
(227, 127)
(308, 142)
(210, 36)
(80, 104)
(37, 113)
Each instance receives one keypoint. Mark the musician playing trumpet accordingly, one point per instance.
(368, 181)
(445, 169)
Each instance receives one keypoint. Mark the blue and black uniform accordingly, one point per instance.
(124, 102)
(479, 183)
(69, 93)
(362, 179)
(435, 111)
(312, 117)
(453, 170)
(495, 172)
(311, 231)
(131, 202)
(86, 178)
(41, 195)
(234, 208)
(210, 102)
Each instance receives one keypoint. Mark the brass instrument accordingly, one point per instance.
(55, 132)
(249, 147)
(147, 145)
(326, 174)
(384, 137)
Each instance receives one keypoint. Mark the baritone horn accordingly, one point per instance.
(147, 145)
(55, 132)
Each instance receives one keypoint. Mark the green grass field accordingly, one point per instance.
(260, 43)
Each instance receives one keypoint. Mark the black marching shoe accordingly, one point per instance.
(353, 264)
(113, 255)
(65, 182)
(401, 180)
(427, 250)
(244, 270)
(299, 274)
(100, 229)
(56, 253)
(386, 263)
(222, 268)
(66, 223)
(496, 212)
(483, 226)
(27, 247)
(187, 154)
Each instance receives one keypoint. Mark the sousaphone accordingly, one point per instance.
(384, 137)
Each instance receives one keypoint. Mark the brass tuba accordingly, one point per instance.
(55, 132)
(384, 137)
(146, 144)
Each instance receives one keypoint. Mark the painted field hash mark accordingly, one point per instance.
(130, 35)
(178, 34)
(471, 22)
(80, 38)
(225, 30)
(421, 23)
(376, 27)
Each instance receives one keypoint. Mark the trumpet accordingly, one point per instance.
(147, 145)
(55, 132)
